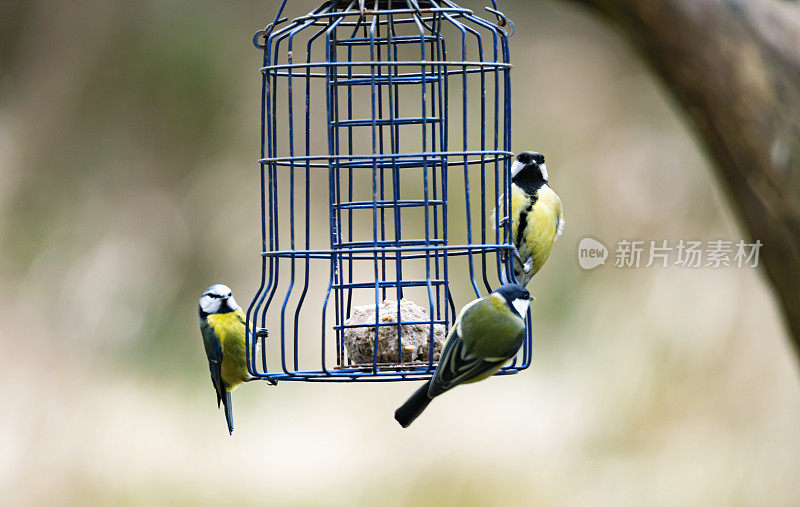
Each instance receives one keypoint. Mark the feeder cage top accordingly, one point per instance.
(386, 148)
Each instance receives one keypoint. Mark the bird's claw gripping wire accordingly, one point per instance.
(517, 257)
(269, 380)
(262, 333)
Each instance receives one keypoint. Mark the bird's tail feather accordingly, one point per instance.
(228, 411)
(414, 406)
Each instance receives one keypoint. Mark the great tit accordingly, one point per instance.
(487, 333)
(223, 328)
(537, 215)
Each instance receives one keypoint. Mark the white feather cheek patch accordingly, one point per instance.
(516, 167)
(208, 304)
(522, 306)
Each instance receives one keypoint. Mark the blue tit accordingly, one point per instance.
(222, 323)
(487, 334)
(537, 215)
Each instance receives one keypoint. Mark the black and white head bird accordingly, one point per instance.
(537, 215)
(486, 334)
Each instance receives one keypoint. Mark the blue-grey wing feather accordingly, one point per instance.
(457, 366)
(214, 354)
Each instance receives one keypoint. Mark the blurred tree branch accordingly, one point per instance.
(734, 67)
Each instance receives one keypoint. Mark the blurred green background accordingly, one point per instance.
(119, 124)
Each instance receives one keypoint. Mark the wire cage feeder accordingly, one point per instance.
(385, 150)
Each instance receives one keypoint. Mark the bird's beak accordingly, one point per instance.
(531, 298)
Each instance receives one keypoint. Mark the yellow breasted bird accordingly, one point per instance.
(487, 334)
(222, 323)
(537, 215)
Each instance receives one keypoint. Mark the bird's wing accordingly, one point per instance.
(214, 354)
(491, 330)
(458, 365)
(560, 222)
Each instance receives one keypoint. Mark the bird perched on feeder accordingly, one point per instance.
(487, 333)
(537, 215)
(223, 328)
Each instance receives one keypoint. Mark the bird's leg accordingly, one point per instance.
(517, 256)
(503, 223)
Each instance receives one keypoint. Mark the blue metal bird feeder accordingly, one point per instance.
(385, 149)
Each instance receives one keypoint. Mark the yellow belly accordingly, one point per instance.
(541, 229)
(230, 330)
